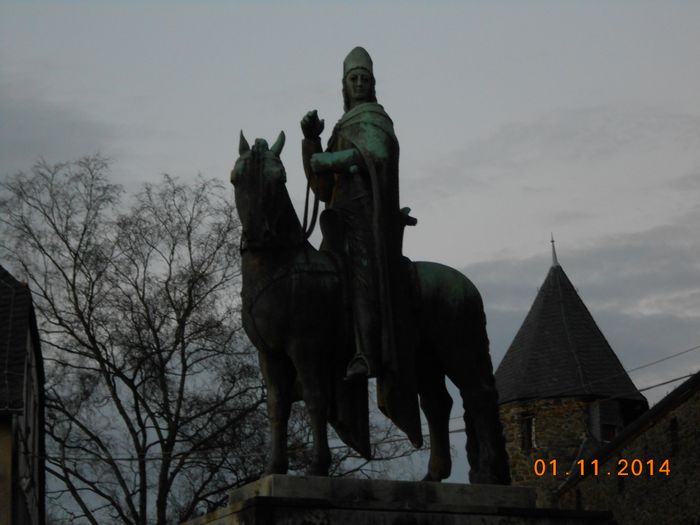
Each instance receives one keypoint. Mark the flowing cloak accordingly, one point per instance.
(368, 129)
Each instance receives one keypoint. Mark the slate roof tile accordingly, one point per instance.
(559, 351)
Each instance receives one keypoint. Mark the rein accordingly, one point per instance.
(314, 214)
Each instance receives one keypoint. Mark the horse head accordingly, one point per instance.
(267, 217)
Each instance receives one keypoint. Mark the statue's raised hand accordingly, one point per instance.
(311, 126)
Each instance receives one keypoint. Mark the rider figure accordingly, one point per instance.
(357, 178)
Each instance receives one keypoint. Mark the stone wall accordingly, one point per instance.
(645, 498)
(559, 429)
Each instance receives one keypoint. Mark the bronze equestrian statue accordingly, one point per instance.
(295, 305)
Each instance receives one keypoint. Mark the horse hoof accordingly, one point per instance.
(275, 469)
(316, 470)
(429, 477)
(486, 479)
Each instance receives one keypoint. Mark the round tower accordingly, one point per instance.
(562, 390)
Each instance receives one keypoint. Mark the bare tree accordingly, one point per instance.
(155, 405)
(154, 401)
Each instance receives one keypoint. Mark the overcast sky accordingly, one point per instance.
(516, 119)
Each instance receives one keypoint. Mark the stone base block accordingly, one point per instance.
(297, 500)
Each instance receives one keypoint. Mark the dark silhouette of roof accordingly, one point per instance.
(559, 351)
(18, 337)
(16, 324)
(639, 426)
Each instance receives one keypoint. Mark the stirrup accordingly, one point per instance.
(358, 368)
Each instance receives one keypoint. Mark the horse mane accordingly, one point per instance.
(289, 226)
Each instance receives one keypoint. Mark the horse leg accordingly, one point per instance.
(314, 378)
(279, 375)
(485, 441)
(486, 452)
(436, 404)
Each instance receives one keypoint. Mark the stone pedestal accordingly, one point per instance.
(297, 500)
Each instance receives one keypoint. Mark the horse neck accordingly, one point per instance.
(260, 264)
(289, 230)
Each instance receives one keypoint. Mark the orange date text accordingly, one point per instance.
(623, 467)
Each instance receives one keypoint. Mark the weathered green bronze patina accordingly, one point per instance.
(358, 178)
(294, 311)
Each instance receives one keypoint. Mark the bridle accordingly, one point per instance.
(259, 155)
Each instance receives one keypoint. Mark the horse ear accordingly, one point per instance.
(243, 146)
(279, 144)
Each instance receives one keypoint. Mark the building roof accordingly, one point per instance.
(16, 322)
(559, 350)
(639, 426)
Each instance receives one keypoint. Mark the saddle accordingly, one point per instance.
(335, 245)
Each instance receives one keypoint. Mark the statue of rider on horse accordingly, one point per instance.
(326, 320)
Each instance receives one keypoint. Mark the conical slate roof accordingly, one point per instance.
(559, 351)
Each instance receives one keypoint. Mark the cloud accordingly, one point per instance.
(33, 128)
(553, 142)
(565, 217)
(642, 289)
(688, 182)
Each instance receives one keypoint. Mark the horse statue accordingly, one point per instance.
(293, 308)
